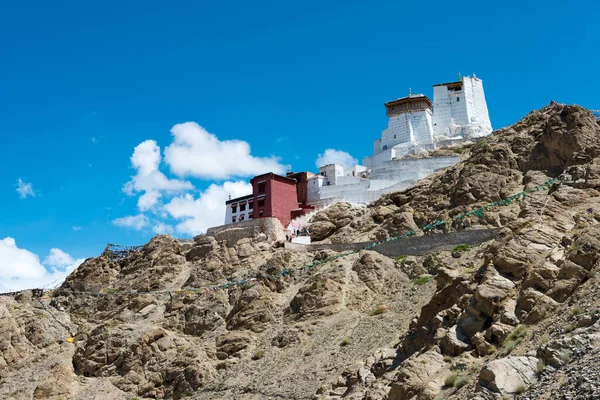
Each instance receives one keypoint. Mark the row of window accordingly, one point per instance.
(261, 203)
(234, 219)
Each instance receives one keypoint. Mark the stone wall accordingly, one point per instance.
(248, 229)
(413, 246)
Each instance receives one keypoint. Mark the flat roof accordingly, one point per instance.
(413, 98)
(246, 197)
(274, 176)
(449, 84)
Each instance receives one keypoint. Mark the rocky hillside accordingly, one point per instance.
(515, 317)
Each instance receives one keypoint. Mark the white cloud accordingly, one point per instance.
(148, 200)
(196, 152)
(199, 214)
(24, 189)
(162, 228)
(21, 269)
(93, 139)
(77, 228)
(136, 222)
(332, 156)
(58, 258)
(146, 160)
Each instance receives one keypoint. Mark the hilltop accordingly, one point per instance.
(514, 316)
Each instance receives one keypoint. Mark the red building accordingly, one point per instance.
(274, 196)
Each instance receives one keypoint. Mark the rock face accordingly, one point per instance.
(510, 375)
(517, 313)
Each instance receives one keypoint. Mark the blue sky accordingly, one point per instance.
(82, 85)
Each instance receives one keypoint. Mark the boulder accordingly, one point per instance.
(418, 375)
(454, 343)
(318, 296)
(321, 230)
(510, 375)
(232, 343)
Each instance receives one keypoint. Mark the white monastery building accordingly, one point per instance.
(458, 112)
(416, 125)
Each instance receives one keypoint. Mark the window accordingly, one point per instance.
(232, 219)
(261, 203)
(260, 213)
(250, 205)
(458, 99)
(385, 147)
(242, 207)
(234, 209)
(261, 187)
(250, 216)
(241, 217)
(394, 136)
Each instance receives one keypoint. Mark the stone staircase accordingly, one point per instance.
(302, 221)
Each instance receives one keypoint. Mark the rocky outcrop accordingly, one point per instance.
(510, 375)
(518, 312)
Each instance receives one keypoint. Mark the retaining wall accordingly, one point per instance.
(248, 229)
(413, 246)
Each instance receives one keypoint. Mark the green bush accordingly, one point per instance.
(422, 280)
(450, 379)
(518, 333)
(400, 257)
(380, 310)
(258, 355)
(345, 342)
(460, 248)
(508, 346)
(540, 366)
(461, 381)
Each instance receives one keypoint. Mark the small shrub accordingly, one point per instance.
(450, 379)
(380, 310)
(461, 381)
(508, 346)
(422, 280)
(569, 328)
(540, 366)
(545, 338)
(565, 355)
(518, 333)
(576, 310)
(258, 355)
(468, 270)
(461, 248)
(345, 342)
(400, 257)
(41, 393)
(309, 333)
(447, 358)
(492, 349)
(520, 388)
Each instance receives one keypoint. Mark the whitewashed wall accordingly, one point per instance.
(314, 188)
(408, 127)
(355, 170)
(480, 116)
(468, 116)
(229, 213)
(389, 177)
